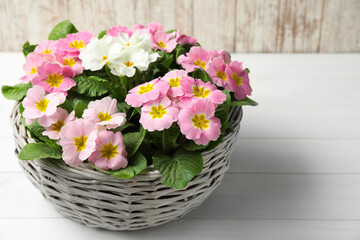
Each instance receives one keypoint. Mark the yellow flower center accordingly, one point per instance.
(200, 64)
(57, 126)
(200, 92)
(200, 121)
(109, 151)
(157, 112)
(46, 51)
(145, 89)
(69, 62)
(129, 64)
(77, 44)
(237, 79)
(104, 58)
(221, 75)
(161, 44)
(104, 116)
(80, 142)
(174, 82)
(128, 44)
(33, 70)
(54, 80)
(42, 104)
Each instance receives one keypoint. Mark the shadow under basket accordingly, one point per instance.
(99, 200)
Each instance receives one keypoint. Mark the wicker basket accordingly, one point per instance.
(99, 200)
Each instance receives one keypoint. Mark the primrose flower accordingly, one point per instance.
(173, 78)
(197, 57)
(73, 42)
(146, 92)
(239, 80)
(136, 40)
(220, 53)
(73, 62)
(197, 122)
(110, 151)
(77, 139)
(197, 89)
(158, 115)
(46, 47)
(39, 106)
(163, 41)
(56, 122)
(154, 27)
(33, 61)
(184, 39)
(115, 30)
(216, 71)
(104, 113)
(54, 78)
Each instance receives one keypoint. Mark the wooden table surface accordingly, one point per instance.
(294, 174)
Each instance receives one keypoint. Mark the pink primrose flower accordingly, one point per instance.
(220, 53)
(184, 39)
(115, 30)
(110, 151)
(173, 78)
(197, 57)
(216, 71)
(56, 122)
(163, 41)
(33, 61)
(158, 115)
(154, 27)
(73, 42)
(239, 80)
(73, 62)
(46, 48)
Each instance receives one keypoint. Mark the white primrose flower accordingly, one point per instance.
(137, 40)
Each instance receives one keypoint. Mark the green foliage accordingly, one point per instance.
(179, 169)
(101, 34)
(67, 106)
(79, 108)
(199, 73)
(222, 111)
(61, 30)
(33, 151)
(28, 48)
(133, 140)
(91, 87)
(246, 101)
(169, 137)
(17, 92)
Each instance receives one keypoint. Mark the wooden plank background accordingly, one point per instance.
(277, 26)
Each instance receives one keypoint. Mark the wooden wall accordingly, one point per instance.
(282, 26)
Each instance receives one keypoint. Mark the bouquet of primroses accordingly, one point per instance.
(127, 99)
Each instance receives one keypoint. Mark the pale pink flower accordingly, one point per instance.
(220, 53)
(56, 122)
(216, 71)
(184, 39)
(173, 78)
(39, 106)
(104, 114)
(239, 80)
(154, 27)
(77, 139)
(54, 78)
(33, 61)
(73, 62)
(110, 151)
(197, 57)
(73, 42)
(146, 92)
(46, 47)
(197, 122)
(115, 30)
(137, 27)
(163, 41)
(198, 90)
(158, 115)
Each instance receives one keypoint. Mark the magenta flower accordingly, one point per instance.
(163, 41)
(198, 90)
(104, 114)
(77, 139)
(146, 92)
(46, 47)
(39, 106)
(197, 57)
(54, 78)
(33, 61)
(184, 39)
(73, 42)
(158, 115)
(197, 122)
(220, 53)
(239, 80)
(110, 151)
(216, 71)
(57, 121)
(173, 78)
(115, 30)
(73, 62)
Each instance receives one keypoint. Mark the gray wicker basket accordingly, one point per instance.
(99, 200)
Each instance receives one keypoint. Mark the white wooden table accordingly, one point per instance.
(295, 173)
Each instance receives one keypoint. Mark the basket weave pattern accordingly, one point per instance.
(99, 200)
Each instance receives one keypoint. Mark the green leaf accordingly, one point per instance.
(91, 87)
(123, 107)
(179, 51)
(136, 164)
(169, 137)
(67, 106)
(21, 108)
(179, 169)
(79, 108)
(192, 146)
(246, 101)
(247, 70)
(133, 140)
(199, 73)
(28, 48)
(222, 111)
(17, 92)
(167, 60)
(61, 30)
(33, 151)
(101, 34)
